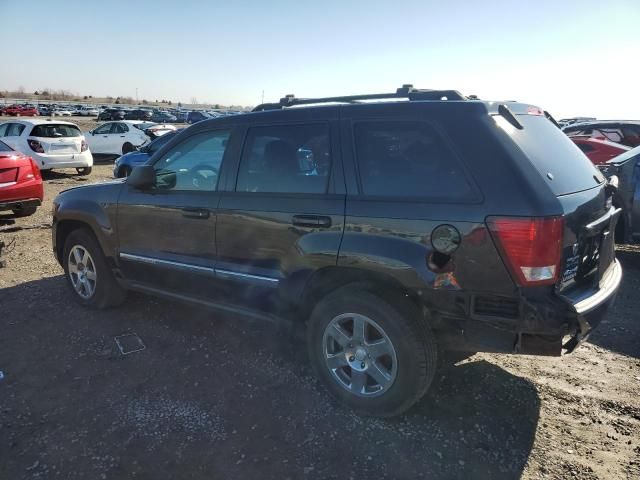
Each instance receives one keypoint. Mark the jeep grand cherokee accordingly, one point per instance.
(397, 226)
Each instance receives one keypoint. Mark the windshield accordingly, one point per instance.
(55, 130)
(553, 154)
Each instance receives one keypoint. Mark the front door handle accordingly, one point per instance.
(317, 221)
(195, 213)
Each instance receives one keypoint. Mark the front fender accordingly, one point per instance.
(93, 206)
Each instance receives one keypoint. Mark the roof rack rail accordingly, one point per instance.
(406, 91)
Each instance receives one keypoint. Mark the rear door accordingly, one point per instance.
(282, 214)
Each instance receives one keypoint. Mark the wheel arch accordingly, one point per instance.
(329, 279)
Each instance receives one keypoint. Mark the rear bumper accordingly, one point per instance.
(553, 321)
(71, 160)
(20, 204)
(591, 310)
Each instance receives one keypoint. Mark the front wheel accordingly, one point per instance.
(376, 356)
(84, 171)
(88, 274)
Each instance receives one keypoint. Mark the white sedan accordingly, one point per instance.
(116, 138)
(61, 112)
(89, 112)
(51, 143)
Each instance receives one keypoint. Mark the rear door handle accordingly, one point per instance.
(320, 221)
(195, 213)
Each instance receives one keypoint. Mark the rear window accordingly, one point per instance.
(553, 154)
(55, 130)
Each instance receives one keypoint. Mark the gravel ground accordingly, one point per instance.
(226, 397)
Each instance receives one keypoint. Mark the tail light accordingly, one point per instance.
(36, 146)
(531, 247)
(84, 146)
(34, 169)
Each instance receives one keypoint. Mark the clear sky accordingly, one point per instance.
(571, 57)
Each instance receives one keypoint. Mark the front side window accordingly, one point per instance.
(286, 159)
(193, 164)
(4, 147)
(407, 159)
(3, 129)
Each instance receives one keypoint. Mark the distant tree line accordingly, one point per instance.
(49, 94)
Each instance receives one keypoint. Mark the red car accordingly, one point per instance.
(597, 150)
(20, 111)
(20, 182)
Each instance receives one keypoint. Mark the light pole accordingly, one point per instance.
(136, 95)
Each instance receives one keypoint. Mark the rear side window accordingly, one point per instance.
(285, 159)
(55, 130)
(14, 130)
(5, 148)
(408, 159)
(555, 156)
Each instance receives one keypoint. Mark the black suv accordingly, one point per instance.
(138, 114)
(112, 114)
(397, 226)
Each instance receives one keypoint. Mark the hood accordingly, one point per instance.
(133, 157)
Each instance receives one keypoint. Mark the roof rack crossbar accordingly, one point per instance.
(406, 91)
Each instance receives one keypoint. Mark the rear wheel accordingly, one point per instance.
(84, 171)
(373, 355)
(24, 212)
(88, 274)
(127, 147)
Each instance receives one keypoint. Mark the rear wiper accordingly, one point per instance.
(508, 115)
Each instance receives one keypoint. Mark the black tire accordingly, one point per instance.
(127, 147)
(107, 293)
(414, 345)
(84, 171)
(24, 212)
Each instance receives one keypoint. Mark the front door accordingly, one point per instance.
(99, 138)
(283, 216)
(167, 233)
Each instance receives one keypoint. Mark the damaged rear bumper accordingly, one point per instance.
(591, 309)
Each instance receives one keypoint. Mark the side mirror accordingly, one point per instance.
(142, 177)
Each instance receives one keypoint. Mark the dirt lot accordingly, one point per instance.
(213, 397)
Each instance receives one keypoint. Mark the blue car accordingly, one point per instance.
(123, 166)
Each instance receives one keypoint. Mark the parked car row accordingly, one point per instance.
(19, 111)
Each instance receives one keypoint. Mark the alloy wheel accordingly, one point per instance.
(359, 355)
(82, 271)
